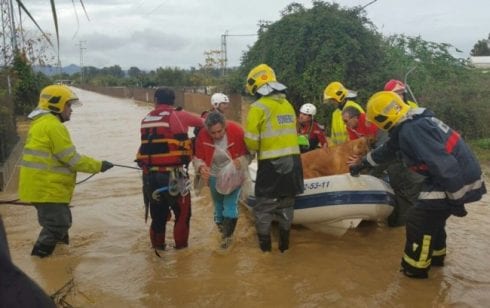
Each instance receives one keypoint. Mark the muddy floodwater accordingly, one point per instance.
(109, 262)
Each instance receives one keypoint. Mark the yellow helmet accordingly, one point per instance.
(385, 109)
(54, 98)
(336, 91)
(259, 76)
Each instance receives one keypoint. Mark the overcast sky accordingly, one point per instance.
(159, 33)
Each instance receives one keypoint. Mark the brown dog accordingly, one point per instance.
(332, 160)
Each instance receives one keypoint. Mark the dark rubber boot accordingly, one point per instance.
(415, 275)
(283, 240)
(220, 227)
(437, 261)
(65, 240)
(41, 250)
(265, 242)
(229, 225)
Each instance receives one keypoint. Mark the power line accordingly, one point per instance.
(224, 48)
(366, 5)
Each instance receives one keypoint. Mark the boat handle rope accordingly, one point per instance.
(17, 202)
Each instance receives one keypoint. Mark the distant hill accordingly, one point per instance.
(52, 70)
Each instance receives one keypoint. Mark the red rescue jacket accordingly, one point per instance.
(236, 143)
(162, 145)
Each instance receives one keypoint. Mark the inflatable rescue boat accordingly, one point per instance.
(336, 203)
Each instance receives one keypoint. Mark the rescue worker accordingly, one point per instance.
(336, 92)
(452, 175)
(311, 135)
(49, 167)
(401, 89)
(356, 124)
(164, 156)
(405, 183)
(222, 143)
(219, 102)
(271, 133)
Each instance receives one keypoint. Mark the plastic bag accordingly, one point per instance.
(229, 178)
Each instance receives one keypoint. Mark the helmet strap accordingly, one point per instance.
(59, 116)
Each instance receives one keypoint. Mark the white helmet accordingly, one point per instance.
(219, 98)
(308, 109)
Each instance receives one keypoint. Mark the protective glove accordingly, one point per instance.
(458, 210)
(106, 166)
(356, 169)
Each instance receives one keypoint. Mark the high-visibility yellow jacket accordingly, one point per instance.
(412, 104)
(271, 128)
(338, 132)
(50, 163)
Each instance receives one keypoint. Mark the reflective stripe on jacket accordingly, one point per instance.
(338, 131)
(160, 146)
(50, 163)
(271, 128)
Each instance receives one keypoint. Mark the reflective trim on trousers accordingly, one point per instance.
(438, 253)
(423, 262)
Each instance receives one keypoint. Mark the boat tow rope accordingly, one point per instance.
(17, 202)
(115, 165)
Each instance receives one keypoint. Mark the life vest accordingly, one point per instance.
(159, 146)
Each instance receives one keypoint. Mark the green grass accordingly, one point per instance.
(481, 148)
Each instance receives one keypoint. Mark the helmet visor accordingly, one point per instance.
(75, 103)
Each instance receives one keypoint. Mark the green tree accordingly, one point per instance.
(134, 72)
(481, 48)
(308, 48)
(443, 83)
(26, 85)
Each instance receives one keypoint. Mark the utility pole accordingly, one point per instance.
(13, 33)
(82, 48)
(9, 36)
(224, 56)
(224, 49)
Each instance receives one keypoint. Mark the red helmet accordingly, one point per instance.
(395, 86)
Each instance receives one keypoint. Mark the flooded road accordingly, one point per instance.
(109, 261)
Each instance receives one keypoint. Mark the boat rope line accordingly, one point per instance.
(128, 167)
(85, 179)
(115, 165)
(16, 201)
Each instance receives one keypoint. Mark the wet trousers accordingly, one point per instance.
(225, 206)
(425, 239)
(161, 211)
(55, 220)
(267, 210)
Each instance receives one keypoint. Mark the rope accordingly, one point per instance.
(115, 165)
(86, 179)
(129, 167)
(15, 202)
